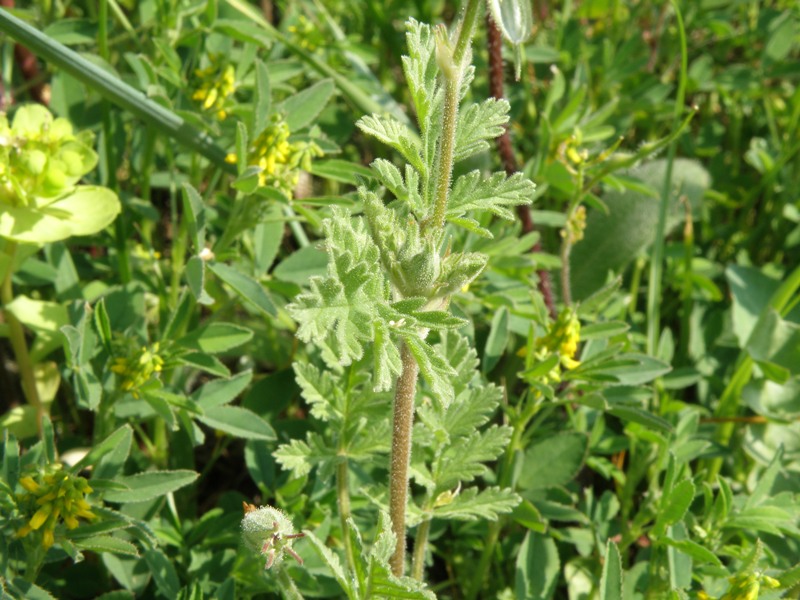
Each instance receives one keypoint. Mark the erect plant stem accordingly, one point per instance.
(343, 497)
(405, 391)
(446, 152)
(403, 420)
(444, 170)
(286, 584)
(420, 543)
(16, 335)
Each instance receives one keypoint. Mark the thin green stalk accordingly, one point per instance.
(343, 498)
(420, 545)
(16, 335)
(686, 291)
(657, 258)
(286, 584)
(403, 421)
(569, 240)
(503, 480)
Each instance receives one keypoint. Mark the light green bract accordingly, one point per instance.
(41, 161)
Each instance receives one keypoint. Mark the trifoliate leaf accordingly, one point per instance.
(471, 192)
(478, 124)
(471, 504)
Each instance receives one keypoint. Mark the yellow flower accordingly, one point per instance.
(137, 368)
(279, 158)
(217, 84)
(57, 496)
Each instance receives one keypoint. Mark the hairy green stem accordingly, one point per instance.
(343, 498)
(420, 545)
(16, 335)
(286, 584)
(444, 170)
(403, 421)
(446, 153)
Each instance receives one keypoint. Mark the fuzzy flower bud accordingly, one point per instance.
(269, 532)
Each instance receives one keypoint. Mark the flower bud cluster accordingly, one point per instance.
(216, 86)
(563, 339)
(52, 497)
(40, 156)
(280, 158)
(136, 368)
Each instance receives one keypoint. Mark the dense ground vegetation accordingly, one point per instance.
(538, 270)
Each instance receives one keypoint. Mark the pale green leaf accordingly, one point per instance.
(393, 133)
(473, 192)
(238, 422)
(611, 581)
(537, 567)
(150, 485)
(105, 543)
(84, 211)
(471, 504)
(302, 108)
(433, 367)
(478, 124)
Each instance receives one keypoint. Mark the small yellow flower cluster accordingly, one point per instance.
(52, 497)
(217, 85)
(563, 339)
(307, 34)
(279, 158)
(137, 368)
(576, 225)
(747, 586)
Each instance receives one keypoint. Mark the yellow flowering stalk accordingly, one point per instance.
(217, 86)
(280, 159)
(53, 497)
(747, 586)
(306, 34)
(137, 368)
(563, 338)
